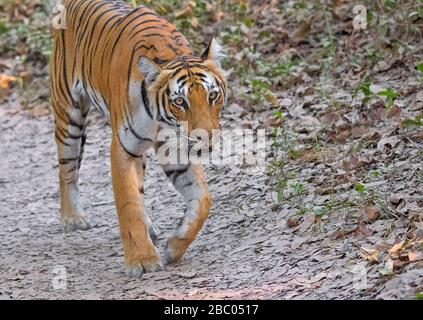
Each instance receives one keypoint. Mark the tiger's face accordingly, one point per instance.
(189, 93)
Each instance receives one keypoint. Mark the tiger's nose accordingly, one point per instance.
(198, 137)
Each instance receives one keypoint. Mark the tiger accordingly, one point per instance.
(142, 74)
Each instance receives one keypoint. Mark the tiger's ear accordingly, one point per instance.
(149, 69)
(213, 52)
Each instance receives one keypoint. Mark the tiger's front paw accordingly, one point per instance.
(75, 222)
(175, 249)
(142, 264)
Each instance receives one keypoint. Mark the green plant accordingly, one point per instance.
(33, 32)
(275, 69)
(360, 188)
(390, 95)
(3, 28)
(282, 184)
(419, 68)
(319, 211)
(297, 188)
(275, 142)
(413, 123)
(364, 87)
(260, 87)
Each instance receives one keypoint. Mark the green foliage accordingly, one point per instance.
(419, 68)
(275, 69)
(413, 123)
(282, 185)
(364, 87)
(375, 174)
(319, 212)
(390, 4)
(27, 37)
(260, 87)
(390, 95)
(3, 28)
(360, 188)
(297, 188)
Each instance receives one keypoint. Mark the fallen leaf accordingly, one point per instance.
(352, 163)
(339, 234)
(394, 112)
(298, 241)
(358, 132)
(185, 12)
(40, 111)
(388, 268)
(209, 6)
(387, 143)
(362, 227)
(219, 15)
(372, 213)
(396, 247)
(26, 77)
(293, 222)
(397, 202)
(415, 256)
(6, 80)
(309, 155)
(371, 255)
(307, 223)
(271, 98)
(398, 264)
(417, 102)
(382, 66)
(195, 23)
(302, 31)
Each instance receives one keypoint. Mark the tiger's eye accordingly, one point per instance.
(213, 95)
(179, 101)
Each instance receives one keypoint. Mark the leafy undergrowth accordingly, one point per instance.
(343, 107)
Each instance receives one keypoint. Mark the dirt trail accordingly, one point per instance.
(245, 250)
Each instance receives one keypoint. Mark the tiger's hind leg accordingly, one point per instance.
(191, 183)
(70, 133)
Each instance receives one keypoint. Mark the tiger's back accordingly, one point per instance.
(101, 45)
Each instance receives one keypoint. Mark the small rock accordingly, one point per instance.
(187, 274)
(286, 103)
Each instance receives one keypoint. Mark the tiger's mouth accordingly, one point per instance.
(204, 146)
(197, 142)
(208, 148)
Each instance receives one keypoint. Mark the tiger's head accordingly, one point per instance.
(189, 92)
